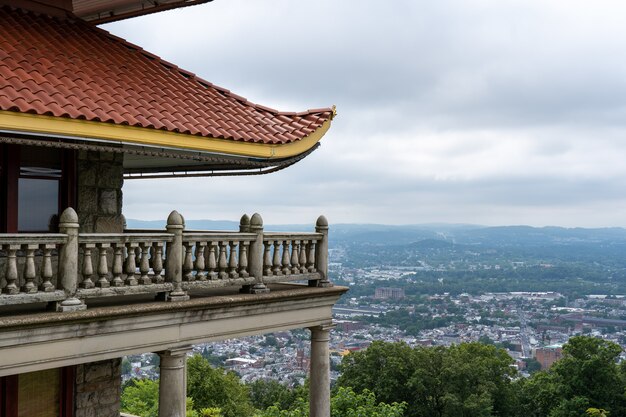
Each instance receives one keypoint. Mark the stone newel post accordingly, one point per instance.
(174, 259)
(255, 261)
(319, 391)
(244, 224)
(173, 382)
(68, 261)
(321, 254)
(244, 227)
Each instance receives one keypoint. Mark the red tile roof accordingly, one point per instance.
(69, 68)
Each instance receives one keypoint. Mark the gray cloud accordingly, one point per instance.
(476, 111)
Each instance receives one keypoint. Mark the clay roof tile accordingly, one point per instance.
(69, 68)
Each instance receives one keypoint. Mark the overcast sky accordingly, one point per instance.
(489, 112)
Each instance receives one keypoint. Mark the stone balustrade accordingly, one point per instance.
(65, 269)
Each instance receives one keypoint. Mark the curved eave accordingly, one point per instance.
(59, 126)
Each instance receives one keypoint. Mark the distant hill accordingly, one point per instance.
(460, 234)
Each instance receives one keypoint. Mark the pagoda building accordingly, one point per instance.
(81, 111)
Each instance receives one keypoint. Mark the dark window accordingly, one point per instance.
(36, 184)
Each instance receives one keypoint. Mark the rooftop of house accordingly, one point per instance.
(64, 76)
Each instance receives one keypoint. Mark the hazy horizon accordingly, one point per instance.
(430, 225)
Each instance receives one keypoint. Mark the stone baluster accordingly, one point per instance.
(118, 265)
(157, 262)
(303, 266)
(188, 262)
(11, 270)
(199, 263)
(232, 259)
(103, 266)
(131, 264)
(267, 258)
(87, 266)
(46, 269)
(321, 254)
(212, 264)
(286, 257)
(144, 263)
(310, 264)
(174, 260)
(30, 273)
(68, 261)
(255, 258)
(243, 259)
(223, 262)
(276, 267)
(295, 256)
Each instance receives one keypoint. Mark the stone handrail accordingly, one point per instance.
(69, 267)
(290, 256)
(29, 267)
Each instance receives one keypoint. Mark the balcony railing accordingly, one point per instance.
(66, 268)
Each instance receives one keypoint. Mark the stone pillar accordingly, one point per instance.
(319, 391)
(255, 257)
(98, 389)
(100, 180)
(68, 261)
(174, 259)
(173, 382)
(321, 254)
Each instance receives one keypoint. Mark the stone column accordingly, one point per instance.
(173, 382)
(174, 259)
(255, 257)
(321, 254)
(68, 261)
(319, 392)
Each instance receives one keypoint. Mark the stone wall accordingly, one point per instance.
(100, 180)
(98, 389)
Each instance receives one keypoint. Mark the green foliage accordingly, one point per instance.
(345, 403)
(141, 398)
(532, 365)
(213, 388)
(210, 412)
(126, 366)
(470, 379)
(265, 393)
(383, 368)
(586, 378)
(597, 412)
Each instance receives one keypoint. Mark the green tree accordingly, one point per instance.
(478, 381)
(532, 365)
(126, 366)
(470, 379)
(213, 387)
(345, 403)
(141, 398)
(265, 393)
(587, 377)
(383, 368)
(597, 412)
(588, 370)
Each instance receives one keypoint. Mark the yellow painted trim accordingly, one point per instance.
(50, 125)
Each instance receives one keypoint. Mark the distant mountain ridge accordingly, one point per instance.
(465, 234)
